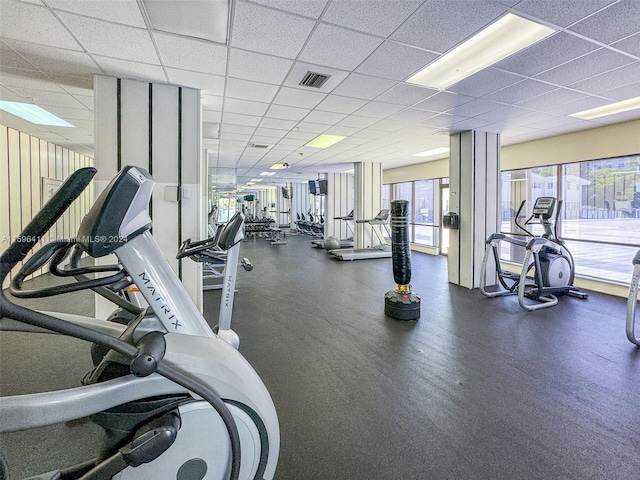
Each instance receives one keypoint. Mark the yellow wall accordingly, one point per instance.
(28, 163)
(604, 142)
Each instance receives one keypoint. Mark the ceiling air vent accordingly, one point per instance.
(314, 80)
(259, 145)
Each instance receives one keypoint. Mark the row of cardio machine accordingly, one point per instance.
(343, 249)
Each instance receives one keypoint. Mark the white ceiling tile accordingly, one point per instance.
(311, 127)
(211, 84)
(475, 107)
(342, 130)
(623, 93)
(126, 12)
(561, 13)
(339, 104)
(378, 109)
(214, 116)
(551, 99)
(237, 119)
(363, 86)
(548, 53)
(112, 40)
(308, 8)
(619, 77)
(45, 98)
(74, 83)
(484, 82)
(55, 60)
(211, 102)
(387, 125)
(263, 141)
(300, 69)
(72, 113)
(258, 67)
(12, 77)
(248, 90)
(630, 45)
(191, 54)
(554, 122)
(241, 129)
(443, 101)
(378, 17)
(358, 122)
(461, 125)
(520, 91)
(246, 107)
(578, 105)
(439, 25)
(11, 59)
(298, 135)
(269, 31)
(584, 67)
(338, 48)
(327, 118)
(412, 115)
(36, 24)
(439, 121)
(270, 132)
(405, 94)
(611, 24)
(286, 113)
(127, 69)
(278, 124)
(295, 97)
(395, 61)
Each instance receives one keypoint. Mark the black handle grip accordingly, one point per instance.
(46, 217)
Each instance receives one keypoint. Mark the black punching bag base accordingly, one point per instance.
(402, 306)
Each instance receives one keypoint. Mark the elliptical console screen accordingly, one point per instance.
(544, 206)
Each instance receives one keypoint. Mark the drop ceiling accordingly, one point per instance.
(50, 50)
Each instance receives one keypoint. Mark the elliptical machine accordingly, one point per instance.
(548, 269)
(174, 399)
(633, 300)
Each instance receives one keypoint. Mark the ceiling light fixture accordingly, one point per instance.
(267, 174)
(256, 179)
(279, 166)
(606, 110)
(325, 141)
(506, 36)
(33, 113)
(432, 152)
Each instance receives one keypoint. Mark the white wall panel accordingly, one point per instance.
(367, 202)
(5, 230)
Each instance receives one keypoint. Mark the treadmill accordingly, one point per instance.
(346, 243)
(383, 250)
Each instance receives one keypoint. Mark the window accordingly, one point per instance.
(600, 217)
(422, 208)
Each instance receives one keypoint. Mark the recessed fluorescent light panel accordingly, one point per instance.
(33, 113)
(432, 152)
(502, 38)
(267, 174)
(255, 180)
(278, 166)
(324, 141)
(611, 109)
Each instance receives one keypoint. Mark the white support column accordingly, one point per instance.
(368, 201)
(474, 174)
(338, 203)
(156, 127)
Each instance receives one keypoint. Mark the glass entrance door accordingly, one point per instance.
(444, 208)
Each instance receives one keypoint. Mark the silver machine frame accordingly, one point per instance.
(525, 284)
(632, 301)
(192, 349)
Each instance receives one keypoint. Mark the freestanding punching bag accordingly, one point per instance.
(401, 303)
